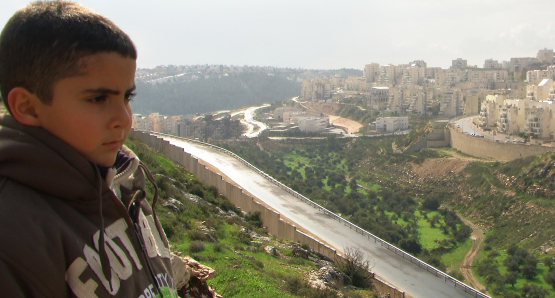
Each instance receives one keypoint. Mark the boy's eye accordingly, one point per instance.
(130, 96)
(98, 99)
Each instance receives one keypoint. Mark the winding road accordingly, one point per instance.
(393, 268)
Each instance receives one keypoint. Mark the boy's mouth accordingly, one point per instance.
(114, 144)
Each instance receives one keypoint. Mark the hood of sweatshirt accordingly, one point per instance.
(34, 157)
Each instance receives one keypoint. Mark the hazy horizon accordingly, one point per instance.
(327, 34)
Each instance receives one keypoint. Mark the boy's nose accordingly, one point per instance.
(122, 115)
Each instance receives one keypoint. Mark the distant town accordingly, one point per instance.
(510, 97)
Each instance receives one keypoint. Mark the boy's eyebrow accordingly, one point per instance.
(109, 91)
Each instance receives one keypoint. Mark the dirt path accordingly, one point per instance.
(349, 125)
(466, 263)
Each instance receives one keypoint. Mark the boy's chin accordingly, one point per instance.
(105, 162)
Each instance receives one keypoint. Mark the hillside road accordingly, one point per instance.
(406, 276)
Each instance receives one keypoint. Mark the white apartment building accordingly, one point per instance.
(414, 99)
(451, 102)
(313, 124)
(141, 122)
(390, 124)
(492, 108)
(316, 89)
(356, 83)
(544, 90)
(371, 72)
(518, 64)
(459, 63)
(379, 98)
(535, 76)
(510, 116)
(545, 56)
(279, 112)
(490, 63)
(389, 74)
(293, 116)
(540, 123)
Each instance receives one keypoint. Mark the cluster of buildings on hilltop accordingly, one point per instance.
(186, 126)
(414, 88)
(305, 120)
(532, 115)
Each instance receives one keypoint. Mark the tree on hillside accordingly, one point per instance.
(431, 204)
(550, 278)
(510, 278)
(534, 291)
(548, 261)
(529, 271)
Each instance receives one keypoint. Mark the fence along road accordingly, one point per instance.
(405, 272)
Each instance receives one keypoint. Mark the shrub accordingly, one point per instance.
(254, 218)
(219, 247)
(197, 235)
(358, 269)
(196, 246)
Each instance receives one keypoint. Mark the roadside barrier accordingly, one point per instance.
(447, 278)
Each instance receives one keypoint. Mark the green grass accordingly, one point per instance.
(521, 281)
(242, 268)
(429, 236)
(453, 258)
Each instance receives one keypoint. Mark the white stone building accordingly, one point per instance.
(390, 124)
(313, 124)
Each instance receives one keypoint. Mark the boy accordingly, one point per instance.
(74, 221)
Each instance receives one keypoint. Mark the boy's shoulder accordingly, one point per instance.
(39, 160)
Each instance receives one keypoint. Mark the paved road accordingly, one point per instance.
(405, 275)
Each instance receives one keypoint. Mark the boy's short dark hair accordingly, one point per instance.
(44, 42)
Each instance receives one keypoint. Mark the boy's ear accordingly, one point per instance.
(22, 104)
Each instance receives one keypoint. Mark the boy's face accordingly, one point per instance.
(91, 111)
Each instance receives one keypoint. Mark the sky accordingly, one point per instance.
(326, 34)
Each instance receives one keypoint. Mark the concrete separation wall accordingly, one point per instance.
(439, 137)
(484, 148)
(274, 223)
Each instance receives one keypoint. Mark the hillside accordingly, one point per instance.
(211, 94)
(411, 200)
(202, 224)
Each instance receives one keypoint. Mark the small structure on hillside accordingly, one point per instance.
(391, 124)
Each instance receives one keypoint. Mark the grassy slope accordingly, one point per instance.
(514, 201)
(243, 269)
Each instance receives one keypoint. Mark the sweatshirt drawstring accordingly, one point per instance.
(104, 260)
(155, 198)
(134, 209)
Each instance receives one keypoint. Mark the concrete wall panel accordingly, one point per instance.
(276, 226)
(481, 147)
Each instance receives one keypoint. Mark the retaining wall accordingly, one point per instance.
(271, 219)
(485, 148)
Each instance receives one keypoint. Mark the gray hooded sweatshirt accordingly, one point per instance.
(67, 232)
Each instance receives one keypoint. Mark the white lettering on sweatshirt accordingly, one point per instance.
(121, 263)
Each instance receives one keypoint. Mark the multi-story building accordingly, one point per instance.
(541, 91)
(535, 76)
(372, 72)
(459, 63)
(313, 124)
(545, 56)
(316, 89)
(490, 63)
(141, 122)
(489, 112)
(391, 124)
(519, 64)
(539, 120)
(379, 98)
